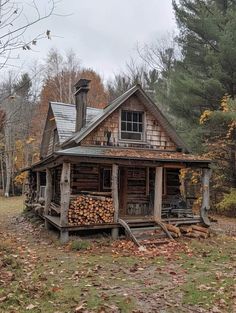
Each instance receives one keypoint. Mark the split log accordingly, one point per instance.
(185, 229)
(163, 227)
(87, 210)
(200, 234)
(201, 229)
(174, 235)
(192, 235)
(173, 229)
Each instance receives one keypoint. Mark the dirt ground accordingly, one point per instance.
(37, 274)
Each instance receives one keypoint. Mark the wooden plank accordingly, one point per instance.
(206, 175)
(147, 182)
(158, 192)
(115, 191)
(37, 185)
(205, 188)
(48, 191)
(65, 193)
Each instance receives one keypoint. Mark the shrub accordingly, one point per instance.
(79, 245)
(228, 203)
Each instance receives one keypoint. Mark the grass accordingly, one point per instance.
(79, 245)
(53, 278)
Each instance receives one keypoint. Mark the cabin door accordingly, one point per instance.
(134, 194)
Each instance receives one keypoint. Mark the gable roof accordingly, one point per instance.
(65, 115)
(79, 136)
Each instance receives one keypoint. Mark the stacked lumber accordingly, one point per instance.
(87, 210)
(195, 231)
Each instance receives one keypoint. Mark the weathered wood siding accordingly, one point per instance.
(85, 177)
(47, 145)
(155, 136)
(137, 200)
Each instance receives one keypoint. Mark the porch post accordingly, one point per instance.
(65, 200)
(38, 185)
(115, 197)
(48, 195)
(158, 193)
(206, 175)
(48, 191)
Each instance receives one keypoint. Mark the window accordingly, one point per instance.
(106, 181)
(131, 125)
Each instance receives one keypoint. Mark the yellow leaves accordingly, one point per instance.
(205, 116)
(30, 140)
(224, 103)
(232, 126)
(19, 179)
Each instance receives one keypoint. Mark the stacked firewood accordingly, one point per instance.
(87, 210)
(193, 231)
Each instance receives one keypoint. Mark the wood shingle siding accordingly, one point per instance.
(154, 135)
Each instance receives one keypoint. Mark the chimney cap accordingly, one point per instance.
(82, 83)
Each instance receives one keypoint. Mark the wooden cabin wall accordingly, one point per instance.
(85, 177)
(137, 199)
(48, 135)
(155, 135)
(170, 185)
(172, 181)
(56, 179)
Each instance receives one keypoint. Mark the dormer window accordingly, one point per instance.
(131, 125)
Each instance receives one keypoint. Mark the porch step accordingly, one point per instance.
(144, 233)
(139, 234)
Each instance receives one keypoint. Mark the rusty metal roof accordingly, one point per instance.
(65, 115)
(132, 154)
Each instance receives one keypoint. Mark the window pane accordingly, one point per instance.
(140, 117)
(135, 127)
(123, 125)
(132, 136)
(129, 126)
(129, 116)
(140, 128)
(123, 115)
(135, 116)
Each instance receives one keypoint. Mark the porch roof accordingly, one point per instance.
(132, 154)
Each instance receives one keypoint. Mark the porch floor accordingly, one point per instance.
(137, 222)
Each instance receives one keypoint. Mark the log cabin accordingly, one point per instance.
(99, 167)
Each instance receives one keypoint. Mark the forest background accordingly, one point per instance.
(191, 75)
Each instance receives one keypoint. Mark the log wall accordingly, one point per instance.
(85, 177)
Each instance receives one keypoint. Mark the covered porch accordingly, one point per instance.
(143, 188)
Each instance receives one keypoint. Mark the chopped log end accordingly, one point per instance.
(88, 210)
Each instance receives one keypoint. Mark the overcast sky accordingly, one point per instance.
(103, 33)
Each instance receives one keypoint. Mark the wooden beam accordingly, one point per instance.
(147, 182)
(158, 193)
(206, 175)
(37, 185)
(65, 193)
(48, 191)
(115, 198)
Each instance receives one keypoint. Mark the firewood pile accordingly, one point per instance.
(87, 210)
(193, 231)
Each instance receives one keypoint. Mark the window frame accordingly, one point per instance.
(109, 169)
(142, 139)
